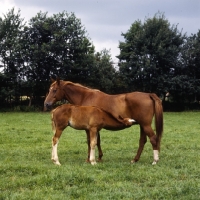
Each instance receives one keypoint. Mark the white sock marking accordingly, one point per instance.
(92, 157)
(55, 154)
(155, 156)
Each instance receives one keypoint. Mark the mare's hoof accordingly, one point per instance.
(133, 161)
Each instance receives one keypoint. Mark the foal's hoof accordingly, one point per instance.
(56, 162)
(93, 162)
(154, 162)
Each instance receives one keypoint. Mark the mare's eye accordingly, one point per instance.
(54, 91)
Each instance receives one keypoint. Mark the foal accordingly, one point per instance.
(89, 118)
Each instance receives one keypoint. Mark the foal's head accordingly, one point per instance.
(55, 94)
(127, 121)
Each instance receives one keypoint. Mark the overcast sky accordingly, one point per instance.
(105, 20)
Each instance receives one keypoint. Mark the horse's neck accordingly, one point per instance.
(75, 94)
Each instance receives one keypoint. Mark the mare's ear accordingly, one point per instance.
(52, 79)
(58, 80)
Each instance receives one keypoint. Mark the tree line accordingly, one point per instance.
(154, 57)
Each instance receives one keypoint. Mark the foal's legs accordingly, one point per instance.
(55, 140)
(93, 142)
(98, 145)
(142, 142)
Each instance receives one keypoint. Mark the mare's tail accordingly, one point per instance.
(158, 117)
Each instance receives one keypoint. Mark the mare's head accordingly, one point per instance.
(55, 94)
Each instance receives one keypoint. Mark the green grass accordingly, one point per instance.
(26, 170)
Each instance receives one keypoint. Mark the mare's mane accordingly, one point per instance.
(79, 85)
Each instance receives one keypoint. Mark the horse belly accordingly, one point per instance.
(79, 124)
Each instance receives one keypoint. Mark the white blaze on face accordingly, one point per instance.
(51, 88)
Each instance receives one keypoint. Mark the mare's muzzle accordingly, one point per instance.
(47, 106)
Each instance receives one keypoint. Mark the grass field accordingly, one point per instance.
(26, 170)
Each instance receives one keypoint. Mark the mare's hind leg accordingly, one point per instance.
(142, 142)
(99, 146)
(55, 140)
(153, 139)
(88, 143)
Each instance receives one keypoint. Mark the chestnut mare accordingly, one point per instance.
(89, 118)
(136, 105)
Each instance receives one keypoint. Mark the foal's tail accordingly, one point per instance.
(158, 117)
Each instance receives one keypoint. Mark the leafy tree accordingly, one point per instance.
(103, 75)
(149, 54)
(11, 57)
(187, 76)
(57, 45)
(155, 57)
(182, 89)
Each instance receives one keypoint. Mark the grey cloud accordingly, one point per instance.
(105, 20)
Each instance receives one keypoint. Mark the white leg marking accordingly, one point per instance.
(54, 157)
(92, 156)
(131, 120)
(155, 157)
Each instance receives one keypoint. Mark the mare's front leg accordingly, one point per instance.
(88, 143)
(142, 142)
(99, 146)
